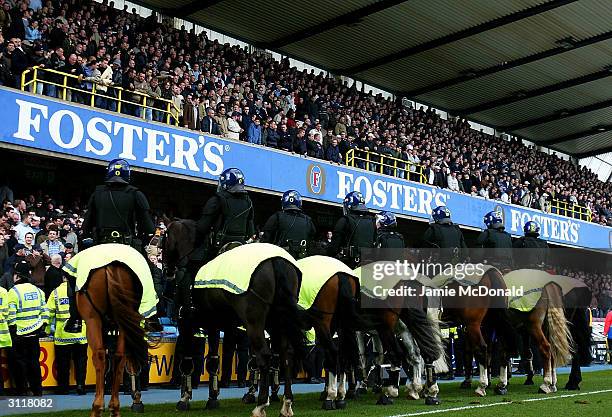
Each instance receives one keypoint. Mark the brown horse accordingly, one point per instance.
(546, 323)
(484, 318)
(111, 299)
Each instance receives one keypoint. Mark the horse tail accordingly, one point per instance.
(425, 329)
(349, 320)
(499, 314)
(556, 327)
(285, 307)
(124, 301)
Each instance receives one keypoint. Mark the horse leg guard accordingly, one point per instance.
(212, 366)
(483, 383)
(351, 393)
(137, 405)
(502, 387)
(431, 392)
(249, 397)
(260, 410)
(529, 368)
(275, 373)
(332, 392)
(186, 367)
(341, 397)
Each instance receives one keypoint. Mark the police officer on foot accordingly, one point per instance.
(536, 256)
(444, 234)
(5, 334)
(497, 241)
(387, 236)
(68, 346)
(116, 211)
(27, 319)
(290, 228)
(355, 230)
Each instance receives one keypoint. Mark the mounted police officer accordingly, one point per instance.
(228, 215)
(387, 237)
(355, 230)
(444, 234)
(117, 212)
(290, 228)
(537, 255)
(496, 241)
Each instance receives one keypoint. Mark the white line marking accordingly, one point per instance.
(469, 407)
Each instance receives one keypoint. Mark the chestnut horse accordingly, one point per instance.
(547, 325)
(111, 298)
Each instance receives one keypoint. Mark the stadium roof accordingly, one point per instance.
(541, 70)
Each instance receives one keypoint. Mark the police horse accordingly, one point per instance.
(552, 312)
(269, 303)
(111, 299)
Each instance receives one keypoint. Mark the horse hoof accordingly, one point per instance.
(323, 396)
(137, 408)
(432, 401)
(541, 391)
(384, 400)
(351, 395)
(377, 389)
(248, 398)
(501, 390)
(212, 404)
(329, 405)
(340, 404)
(466, 384)
(481, 392)
(572, 387)
(274, 398)
(528, 382)
(182, 406)
(361, 391)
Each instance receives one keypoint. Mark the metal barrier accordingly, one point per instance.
(563, 208)
(385, 164)
(70, 89)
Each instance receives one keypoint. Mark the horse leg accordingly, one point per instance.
(249, 397)
(137, 405)
(554, 375)
(186, 365)
(413, 357)
(255, 332)
(528, 358)
(502, 386)
(575, 377)
(379, 359)
(275, 374)
(286, 357)
(391, 383)
(480, 353)
(363, 384)
(212, 366)
(331, 365)
(118, 365)
(544, 346)
(94, 338)
(341, 397)
(468, 356)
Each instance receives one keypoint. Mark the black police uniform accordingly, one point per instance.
(113, 211)
(498, 247)
(227, 217)
(446, 236)
(291, 229)
(389, 239)
(536, 256)
(353, 231)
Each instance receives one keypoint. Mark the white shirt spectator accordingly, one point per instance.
(20, 231)
(453, 183)
(233, 128)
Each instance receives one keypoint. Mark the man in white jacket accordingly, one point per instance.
(233, 126)
(453, 182)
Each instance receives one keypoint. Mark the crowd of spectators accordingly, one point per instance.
(226, 90)
(601, 286)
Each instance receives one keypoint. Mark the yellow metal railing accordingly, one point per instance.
(575, 211)
(385, 164)
(31, 80)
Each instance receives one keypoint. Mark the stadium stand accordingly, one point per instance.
(93, 54)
